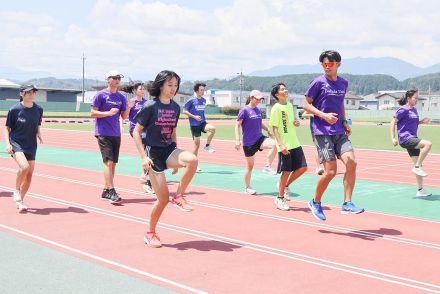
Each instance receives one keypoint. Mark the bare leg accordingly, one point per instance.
(248, 170)
(25, 167)
(350, 174)
(425, 147)
(189, 161)
(210, 130)
(160, 186)
(109, 169)
(283, 181)
(295, 174)
(330, 169)
(196, 145)
(270, 145)
(419, 179)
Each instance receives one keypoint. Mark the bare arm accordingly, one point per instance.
(100, 114)
(237, 134)
(393, 131)
(189, 114)
(279, 141)
(39, 135)
(137, 136)
(125, 114)
(331, 117)
(7, 142)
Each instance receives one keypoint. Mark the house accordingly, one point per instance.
(352, 101)
(389, 100)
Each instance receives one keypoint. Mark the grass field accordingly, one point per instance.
(369, 136)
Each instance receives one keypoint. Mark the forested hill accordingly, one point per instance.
(298, 83)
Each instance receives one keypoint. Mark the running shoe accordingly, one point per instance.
(319, 171)
(269, 170)
(250, 191)
(281, 203)
(16, 196)
(105, 195)
(152, 240)
(423, 193)
(21, 206)
(349, 207)
(286, 192)
(148, 188)
(180, 202)
(316, 209)
(209, 149)
(419, 171)
(114, 196)
(199, 170)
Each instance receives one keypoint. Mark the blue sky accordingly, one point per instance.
(206, 39)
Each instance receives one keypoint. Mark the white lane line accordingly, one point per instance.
(256, 247)
(104, 260)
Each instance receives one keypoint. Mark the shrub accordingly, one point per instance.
(230, 110)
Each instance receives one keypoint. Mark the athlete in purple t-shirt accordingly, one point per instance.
(407, 120)
(325, 100)
(107, 106)
(194, 108)
(251, 122)
(159, 118)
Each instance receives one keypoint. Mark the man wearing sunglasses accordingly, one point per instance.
(325, 100)
(107, 106)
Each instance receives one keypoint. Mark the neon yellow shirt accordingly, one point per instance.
(282, 117)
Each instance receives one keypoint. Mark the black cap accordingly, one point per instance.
(27, 88)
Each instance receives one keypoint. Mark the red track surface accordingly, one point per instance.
(229, 244)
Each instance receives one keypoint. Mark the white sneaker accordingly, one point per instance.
(281, 203)
(250, 191)
(286, 192)
(16, 196)
(423, 193)
(209, 149)
(419, 171)
(199, 170)
(319, 171)
(148, 189)
(21, 206)
(269, 170)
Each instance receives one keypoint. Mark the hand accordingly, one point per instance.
(284, 150)
(9, 149)
(113, 111)
(175, 170)
(147, 163)
(331, 118)
(347, 129)
(40, 139)
(425, 120)
(237, 145)
(197, 117)
(296, 123)
(130, 103)
(394, 140)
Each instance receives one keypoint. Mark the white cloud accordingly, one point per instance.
(141, 39)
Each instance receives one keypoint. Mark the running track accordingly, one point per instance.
(229, 244)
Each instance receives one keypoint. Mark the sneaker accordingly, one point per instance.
(16, 196)
(105, 195)
(286, 192)
(269, 170)
(250, 191)
(423, 193)
(21, 206)
(148, 188)
(319, 171)
(180, 202)
(349, 207)
(113, 196)
(209, 149)
(419, 171)
(316, 209)
(281, 204)
(198, 170)
(152, 240)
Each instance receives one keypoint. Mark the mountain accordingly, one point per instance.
(395, 67)
(76, 84)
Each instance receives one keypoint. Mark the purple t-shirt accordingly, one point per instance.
(407, 122)
(328, 96)
(104, 101)
(159, 121)
(251, 124)
(133, 111)
(196, 106)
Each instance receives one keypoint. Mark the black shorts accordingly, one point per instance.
(410, 146)
(109, 146)
(251, 150)
(17, 148)
(159, 156)
(292, 161)
(197, 131)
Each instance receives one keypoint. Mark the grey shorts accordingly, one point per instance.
(410, 146)
(331, 147)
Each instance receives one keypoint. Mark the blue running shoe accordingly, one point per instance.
(349, 207)
(317, 210)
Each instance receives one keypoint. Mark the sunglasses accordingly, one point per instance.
(328, 64)
(116, 78)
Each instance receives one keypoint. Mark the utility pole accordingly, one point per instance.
(83, 88)
(241, 85)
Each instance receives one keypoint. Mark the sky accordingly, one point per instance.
(207, 39)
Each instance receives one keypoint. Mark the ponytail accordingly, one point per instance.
(404, 99)
(248, 100)
(130, 88)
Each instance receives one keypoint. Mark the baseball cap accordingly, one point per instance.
(256, 94)
(27, 88)
(114, 73)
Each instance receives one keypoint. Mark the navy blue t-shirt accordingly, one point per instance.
(23, 122)
(159, 121)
